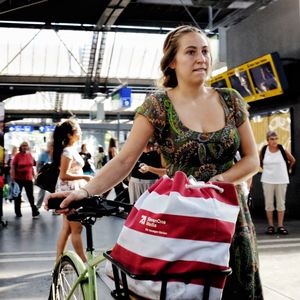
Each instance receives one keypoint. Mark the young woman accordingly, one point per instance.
(70, 178)
(199, 130)
(146, 171)
(88, 167)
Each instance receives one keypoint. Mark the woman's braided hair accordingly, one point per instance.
(170, 48)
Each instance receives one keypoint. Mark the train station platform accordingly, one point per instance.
(27, 253)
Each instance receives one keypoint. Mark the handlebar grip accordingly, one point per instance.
(93, 203)
(54, 203)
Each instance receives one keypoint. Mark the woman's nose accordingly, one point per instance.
(201, 57)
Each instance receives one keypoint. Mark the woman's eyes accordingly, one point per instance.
(191, 52)
(204, 52)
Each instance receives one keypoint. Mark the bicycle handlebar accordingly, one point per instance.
(94, 206)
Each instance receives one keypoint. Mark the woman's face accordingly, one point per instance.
(273, 141)
(24, 148)
(193, 59)
(76, 136)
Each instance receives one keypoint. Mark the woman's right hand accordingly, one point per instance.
(69, 196)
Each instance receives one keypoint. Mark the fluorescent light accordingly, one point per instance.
(240, 4)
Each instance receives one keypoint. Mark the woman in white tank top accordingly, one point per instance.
(275, 162)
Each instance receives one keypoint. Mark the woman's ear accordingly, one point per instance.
(172, 65)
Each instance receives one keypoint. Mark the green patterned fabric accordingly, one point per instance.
(203, 155)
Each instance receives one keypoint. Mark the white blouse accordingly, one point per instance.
(274, 168)
(76, 168)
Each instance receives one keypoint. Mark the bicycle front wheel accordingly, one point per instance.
(64, 278)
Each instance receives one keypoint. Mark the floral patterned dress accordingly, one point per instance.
(204, 155)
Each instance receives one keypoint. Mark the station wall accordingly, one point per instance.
(275, 28)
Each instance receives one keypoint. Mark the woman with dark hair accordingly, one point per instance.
(199, 130)
(22, 174)
(71, 177)
(88, 167)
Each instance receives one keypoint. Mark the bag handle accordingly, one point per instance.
(201, 184)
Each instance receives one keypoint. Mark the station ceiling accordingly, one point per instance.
(139, 16)
(91, 14)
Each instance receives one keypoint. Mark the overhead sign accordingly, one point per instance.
(20, 128)
(46, 128)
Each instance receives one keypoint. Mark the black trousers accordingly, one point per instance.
(28, 185)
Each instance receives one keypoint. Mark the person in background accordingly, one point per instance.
(101, 158)
(199, 130)
(88, 167)
(3, 223)
(44, 158)
(112, 152)
(70, 178)
(275, 162)
(7, 170)
(22, 174)
(146, 171)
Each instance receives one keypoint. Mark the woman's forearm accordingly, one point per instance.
(144, 168)
(242, 170)
(158, 171)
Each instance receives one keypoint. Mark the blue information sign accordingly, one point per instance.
(125, 97)
(46, 128)
(20, 128)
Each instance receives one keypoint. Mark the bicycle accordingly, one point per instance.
(72, 279)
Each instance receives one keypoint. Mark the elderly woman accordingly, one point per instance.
(276, 162)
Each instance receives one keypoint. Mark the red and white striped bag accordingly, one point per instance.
(179, 225)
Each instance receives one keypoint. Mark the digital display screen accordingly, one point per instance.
(219, 84)
(258, 79)
(263, 78)
(241, 83)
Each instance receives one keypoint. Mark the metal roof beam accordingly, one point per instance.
(112, 12)
(239, 14)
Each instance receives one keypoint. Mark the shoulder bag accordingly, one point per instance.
(47, 177)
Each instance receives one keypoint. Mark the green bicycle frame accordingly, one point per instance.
(87, 273)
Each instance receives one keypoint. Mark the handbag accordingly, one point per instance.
(47, 177)
(177, 226)
(14, 190)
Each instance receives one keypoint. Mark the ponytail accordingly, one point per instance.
(61, 138)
